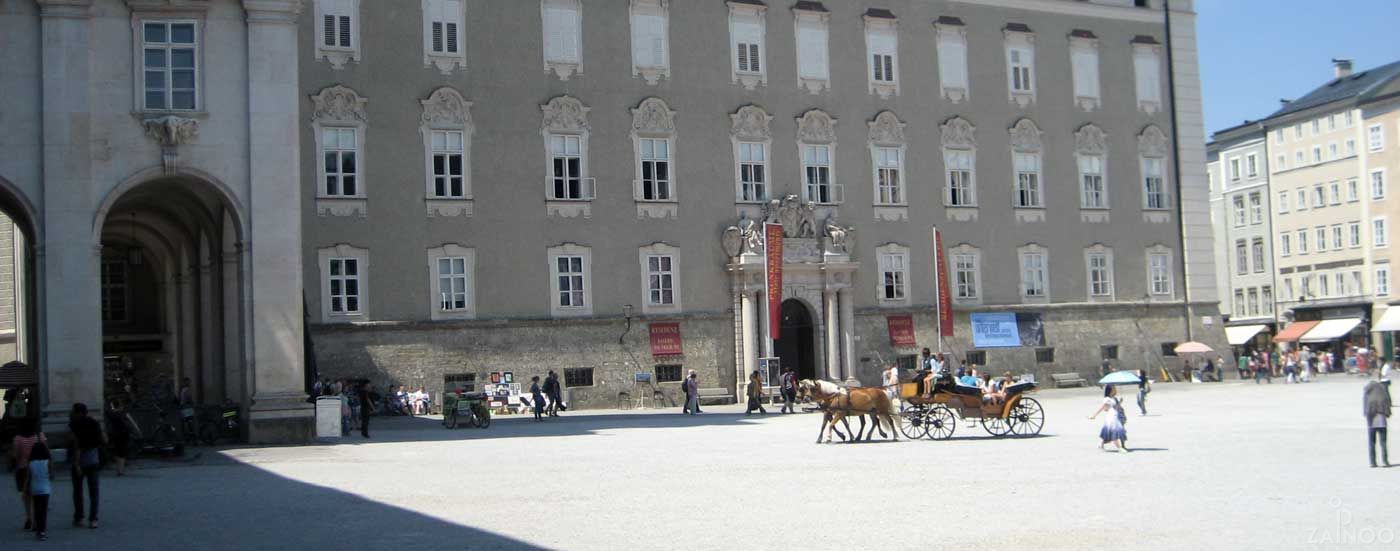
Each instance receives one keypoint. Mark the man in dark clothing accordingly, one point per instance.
(86, 462)
(789, 389)
(365, 407)
(551, 393)
(1376, 404)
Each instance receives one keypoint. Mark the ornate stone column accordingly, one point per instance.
(765, 339)
(833, 339)
(278, 411)
(848, 325)
(750, 362)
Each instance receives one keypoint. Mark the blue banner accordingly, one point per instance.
(995, 330)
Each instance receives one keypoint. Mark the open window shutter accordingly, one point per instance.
(1147, 76)
(569, 33)
(811, 46)
(328, 24)
(554, 33)
(656, 27)
(952, 63)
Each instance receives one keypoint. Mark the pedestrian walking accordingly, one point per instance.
(40, 486)
(691, 387)
(789, 390)
(363, 395)
(1113, 429)
(1376, 401)
(26, 438)
(891, 381)
(551, 393)
(537, 397)
(86, 461)
(1144, 387)
(755, 394)
(119, 424)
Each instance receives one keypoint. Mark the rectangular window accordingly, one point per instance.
(1147, 69)
(452, 284)
(1332, 151)
(1382, 282)
(816, 168)
(1317, 127)
(883, 51)
(975, 357)
(1281, 162)
(1108, 351)
(1240, 212)
(1283, 202)
(1285, 242)
(1084, 64)
(1278, 137)
(965, 276)
(1154, 192)
(1324, 285)
(169, 59)
(464, 381)
(338, 153)
(753, 171)
(1316, 154)
(1354, 234)
(1100, 275)
(336, 21)
(1319, 196)
(345, 285)
(668, 374)
(562, 31)
(1287, 289)
(1045, 355)
(812, 50)
(1378, 235)
(1346, 119)
(649, 37)
(1298, 158)
(1019, 62)
(447, 164)
(888, 181)
(570, 273)
(1234, 168)
(1356, 284)
(1352, 194)
(114, 281)
(1302, 203)
(1093, 193)
(1237, 306)
(748, 45)
(1331, 122)
(893, 272)
(1256, 208)
(566, 168)
(961, 191)
(1256, 248)
(1241, 257)
(1251, 165)
(1253, 301)
(578, 376)
(444, 20)
(1336, 193)
(1169, 349)
(952, 61)
(1027, 180)
(1378, 184)
(656, 169)
(1375, 137)
(1159, 272)
(1337, 237)
(1351, 146)
(1302, 238)
(1305, 287)
(1321, 242)
(1032, 274)
(660, 278)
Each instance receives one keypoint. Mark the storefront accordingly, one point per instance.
(1246, 339)
(1385, 330)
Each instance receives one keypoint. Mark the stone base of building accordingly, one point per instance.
(281, 420)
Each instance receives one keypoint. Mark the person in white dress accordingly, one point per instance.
(1112, 430)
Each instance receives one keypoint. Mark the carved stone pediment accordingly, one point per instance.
(170, 130)
(1025, 136)
(751, 123)
(1090, 140)
(565, 113)
(1152, 142)
(815, 126)
(799, 219)
(886, 129)
(446, 107)
(959, 133)
(338, 104)
(653, 116)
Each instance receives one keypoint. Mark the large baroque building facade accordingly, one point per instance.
(569, 184)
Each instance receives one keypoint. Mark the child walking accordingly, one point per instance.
(1112, 430)
(40, 487)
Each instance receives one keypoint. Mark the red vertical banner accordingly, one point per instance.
(945, 296)
(773, 271)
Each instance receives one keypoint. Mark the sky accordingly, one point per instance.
(1254, 52)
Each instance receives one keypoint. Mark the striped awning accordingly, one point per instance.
(1294, 331)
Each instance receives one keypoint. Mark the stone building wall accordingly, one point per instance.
(8, 315)
(420, 354)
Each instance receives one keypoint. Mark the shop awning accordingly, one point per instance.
(1390, 320)
(1241, 334)
(1331, 330)
(1294, 331)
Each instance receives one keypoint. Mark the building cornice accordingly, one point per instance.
(77, 9)
(1082, 9)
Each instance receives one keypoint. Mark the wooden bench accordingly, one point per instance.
(1065, 379)
(710, 396)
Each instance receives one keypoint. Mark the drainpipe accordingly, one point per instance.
(1176, 166)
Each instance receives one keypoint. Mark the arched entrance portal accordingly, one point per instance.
(796, 347)
(170, 292)
(18, 298)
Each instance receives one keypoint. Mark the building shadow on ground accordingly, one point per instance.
(431, 429)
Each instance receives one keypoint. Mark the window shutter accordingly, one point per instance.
(811, 46)
(345, 31)
(952, 63)
(754, 58)
(437, 37)
(569, 33)
(1147, 76)
(328, 23)
(452, 14)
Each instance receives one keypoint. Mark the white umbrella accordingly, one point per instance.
(1192, 347)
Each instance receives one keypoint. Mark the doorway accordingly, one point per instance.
(795, 347)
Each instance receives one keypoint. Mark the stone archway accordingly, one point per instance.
(796, 346)
(20, 275)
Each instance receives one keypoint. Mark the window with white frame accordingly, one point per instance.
(1240, 213)
(1324, 285)
(1282, 202)
(959, 168)
(1241, 257)
(1378, 183)
(344, 280)
(566, 161)
(1159, 273)
(1256, 249)
(1382, 282)
(661, 276)
(1278, 137)
(1154, 188)
(1234, 168)
(1350, 146)
(1287, 289)
(1305, 287)
(966, 270)
(1316, 154)
(1353, 195)
(753, 171)
(446, 126)
(816, 173)
(1020, 65)
(882, 54)
(1027, 180)
(1093, 192)
(1251, 163)
(1336, 193)
(1237, 307)
(1302, 203)
(1320, 244)
(650, 40)
(654, 159)
(339, 162)
(452, 283)
(889, 175)
(1317, 127)
(1331, 122)
(1147, 69)
(453, 270)
(1332, 151)
(812, 59)
(338, 31)
(1378, 233)
(952, 58)
(894, 274)
(343, 277)
(1319, 196)
(1256, 208)
(442, 34)
(1346, 119)
(1253, 301)
(1033, 273)
(1302, 238)
(1084, 66)
(1266, 300)
(563, 36)
(1099, 265)
(114, 279)
(1285, 247)
(1375, 137)
(570, 267)
(746, 44)
(1299, 159)
(448, 154)
(1280, 162)
(170, 65)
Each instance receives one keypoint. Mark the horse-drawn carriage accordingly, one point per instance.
(935, 414)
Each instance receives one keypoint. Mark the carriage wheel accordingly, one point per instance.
(450, 421)
(1027, 417)
(912, 421)
(483, 418)
(996, 426)
(940, 423)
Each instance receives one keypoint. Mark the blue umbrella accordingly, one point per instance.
(1120, 378)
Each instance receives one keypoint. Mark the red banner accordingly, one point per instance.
(773, 271)
(901, 330)
(945, 296)
(665, 338)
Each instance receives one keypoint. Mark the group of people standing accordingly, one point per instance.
(31, 459)
(546, 400)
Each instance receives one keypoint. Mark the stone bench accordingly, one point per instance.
(709, 396)
(1065, 379)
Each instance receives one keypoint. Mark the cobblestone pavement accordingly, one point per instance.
(1220, 466)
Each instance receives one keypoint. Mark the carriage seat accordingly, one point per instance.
(964, 390)
(1018, 388)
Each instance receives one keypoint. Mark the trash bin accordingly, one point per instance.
(328, 417)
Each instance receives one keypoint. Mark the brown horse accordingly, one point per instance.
(840, 402)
